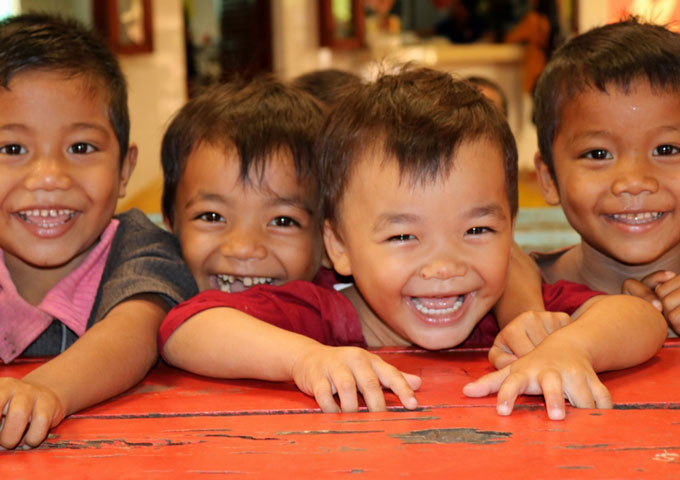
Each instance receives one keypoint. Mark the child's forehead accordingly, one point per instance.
(272, 175)
(375, 162)
(578, 96)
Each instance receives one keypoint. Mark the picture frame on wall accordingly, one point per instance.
(127, 24)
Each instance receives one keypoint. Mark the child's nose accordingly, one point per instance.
(634, 178)
(444, 268)
(47, 173)
(243, 244)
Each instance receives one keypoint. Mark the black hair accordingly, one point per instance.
(259, 118)
(37, 41)
(617, 55)
(421, 116)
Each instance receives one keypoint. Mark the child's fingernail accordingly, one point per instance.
(504, 409)
(556, 414)
(411, 403)
(669, 274)
(657, 305)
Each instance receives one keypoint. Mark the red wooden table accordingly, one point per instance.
(178, 425)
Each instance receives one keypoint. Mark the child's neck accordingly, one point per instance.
(376, 332)
(32, 282)
(584, 264)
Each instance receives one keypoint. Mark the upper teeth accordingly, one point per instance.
(438, 311)
(641, 217)
(225, 281)
(46, 212)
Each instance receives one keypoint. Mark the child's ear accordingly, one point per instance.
(335, 248)
(126, 169)
(546, 181)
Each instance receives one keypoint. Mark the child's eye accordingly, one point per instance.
(12, 149)
(663, 150)
(81, 148)
(479, 230)
(402, 237)
(598, 154)
(210, 217)
(284, 222)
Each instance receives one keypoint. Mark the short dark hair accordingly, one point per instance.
(420, 116)
(37, 41)
(327, 85)
(487, 82)
(615, 54)
(259, 118)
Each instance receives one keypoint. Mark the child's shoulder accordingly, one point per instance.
(144, 258)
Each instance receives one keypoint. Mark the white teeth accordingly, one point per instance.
(39, 216)
(46, 212)
(437, 311)
(637, 218)
(225, 282)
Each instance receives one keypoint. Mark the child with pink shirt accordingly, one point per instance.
(76, 282)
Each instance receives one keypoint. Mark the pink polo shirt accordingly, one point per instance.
(69, 301)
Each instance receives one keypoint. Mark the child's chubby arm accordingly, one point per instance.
(661, 289)
(613, 332)
(228, 343)
(109, 358)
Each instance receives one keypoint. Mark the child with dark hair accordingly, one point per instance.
(241, 192)
(419, 187)
(608, 117)
(327, 85)
(75, 281)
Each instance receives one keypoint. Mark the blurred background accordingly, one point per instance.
(170, 49)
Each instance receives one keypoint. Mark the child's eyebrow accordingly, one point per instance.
(587, 135)
(386, 219)
(89, 126)
(295, 202)
(491, 209)
(75, 126)
(205, 197)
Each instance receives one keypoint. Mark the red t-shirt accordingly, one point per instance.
(327, 316)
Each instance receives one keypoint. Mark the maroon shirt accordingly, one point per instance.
(325, 315)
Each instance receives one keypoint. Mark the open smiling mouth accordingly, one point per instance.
(438, 306)
(234, 283)
(636, 218)
(47, 217)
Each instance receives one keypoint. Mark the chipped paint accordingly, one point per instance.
(454, 435)
(666, 457)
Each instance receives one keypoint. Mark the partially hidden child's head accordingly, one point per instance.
(492, 91)
(608, 120)
(419, 189)
(328, 85)
(64, 132)
(240, 185)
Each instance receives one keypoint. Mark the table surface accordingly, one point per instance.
(179, 425)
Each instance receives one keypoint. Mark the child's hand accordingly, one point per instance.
(661, 289)
(523, 334)
(555, 369)
(322, 371)
(29, 411)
